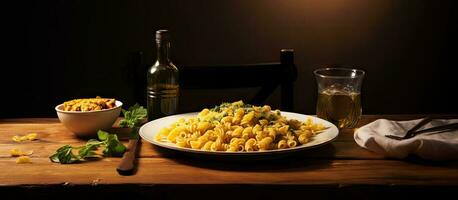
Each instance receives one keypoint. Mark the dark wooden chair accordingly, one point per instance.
(268, 76)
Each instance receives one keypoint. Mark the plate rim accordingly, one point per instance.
(244, 153)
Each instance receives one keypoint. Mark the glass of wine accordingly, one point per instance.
(339, 95)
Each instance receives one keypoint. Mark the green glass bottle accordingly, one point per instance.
(162, 81)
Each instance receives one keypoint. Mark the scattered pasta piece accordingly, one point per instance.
(17, 152)
(30, 137)
(23, 159)
(16, 138)
(236, 127)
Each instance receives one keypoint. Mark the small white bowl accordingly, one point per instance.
(86, 124)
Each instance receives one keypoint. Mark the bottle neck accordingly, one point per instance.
(163, 50)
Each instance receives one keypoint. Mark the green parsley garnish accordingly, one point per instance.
(133, 116)
(112, 147)
(110, 143)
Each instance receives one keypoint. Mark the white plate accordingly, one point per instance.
(150, 129)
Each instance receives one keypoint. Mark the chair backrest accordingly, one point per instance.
(268, 76)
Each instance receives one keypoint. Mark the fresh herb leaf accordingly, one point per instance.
(93, 142)
(102, 135)
(110, 142)
(64, 155)
(215, 109)
(88, 150)
(133, 116)
(113, 146)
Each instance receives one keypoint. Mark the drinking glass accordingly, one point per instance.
(339, 95)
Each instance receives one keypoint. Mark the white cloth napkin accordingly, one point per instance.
(431, 146)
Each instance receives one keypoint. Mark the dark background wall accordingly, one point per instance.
(62, 49)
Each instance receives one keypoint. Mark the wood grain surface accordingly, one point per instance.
(342, 162)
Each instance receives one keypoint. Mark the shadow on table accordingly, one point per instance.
(309, 159)
(453, 164)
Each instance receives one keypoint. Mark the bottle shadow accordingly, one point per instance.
(304, 160)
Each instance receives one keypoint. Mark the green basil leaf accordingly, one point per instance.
(112, 146)
(88, 150)
(133, 116)
(64, 155)
(102, 135)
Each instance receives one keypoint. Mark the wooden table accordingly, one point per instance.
(340, 168)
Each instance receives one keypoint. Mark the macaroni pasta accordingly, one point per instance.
(238, 127)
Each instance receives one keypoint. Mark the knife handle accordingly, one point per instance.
(127, 167)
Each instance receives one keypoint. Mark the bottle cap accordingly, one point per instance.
(162, 35)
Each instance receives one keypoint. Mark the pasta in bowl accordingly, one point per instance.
(237, 128)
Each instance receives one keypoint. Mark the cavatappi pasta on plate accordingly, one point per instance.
(237, 127)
